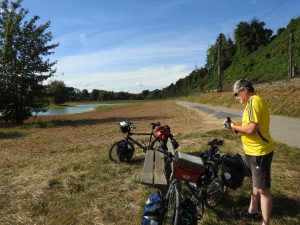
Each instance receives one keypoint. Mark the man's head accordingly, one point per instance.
(243, 90)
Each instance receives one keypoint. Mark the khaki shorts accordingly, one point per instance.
(259, 169)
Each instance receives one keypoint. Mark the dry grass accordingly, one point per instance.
(56, 171)
(282, 97)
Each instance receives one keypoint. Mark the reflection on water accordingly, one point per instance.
(73, 110)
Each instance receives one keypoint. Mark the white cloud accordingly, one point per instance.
(139, 84)
(83, 39)
(133, 81)
(137, 56)
(149, 61)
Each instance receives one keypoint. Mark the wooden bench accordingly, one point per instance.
(154, 173)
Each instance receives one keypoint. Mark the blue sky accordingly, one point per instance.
(134, 45)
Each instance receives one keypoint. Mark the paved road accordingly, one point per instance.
(283, 129)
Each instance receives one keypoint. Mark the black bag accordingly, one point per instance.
(188, 213)
(124, 151)
(233, 172)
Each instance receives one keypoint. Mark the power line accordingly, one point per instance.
(273, 9)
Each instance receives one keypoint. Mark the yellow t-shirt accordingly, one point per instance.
(260, 143)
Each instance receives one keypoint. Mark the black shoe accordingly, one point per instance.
(243, 213)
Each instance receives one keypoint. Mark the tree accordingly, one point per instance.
(250, 36)
(24, 47)
(85, 95)
(95, 94)
(145, 93)
(58, 92)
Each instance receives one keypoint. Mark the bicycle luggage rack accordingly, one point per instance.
(154, 168)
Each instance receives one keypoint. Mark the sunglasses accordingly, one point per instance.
(236, 94)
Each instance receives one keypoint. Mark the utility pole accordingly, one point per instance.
(291, 69)
(220, 70)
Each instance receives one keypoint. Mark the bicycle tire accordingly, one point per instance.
(114, 155)
(215, 193)
(172, 208)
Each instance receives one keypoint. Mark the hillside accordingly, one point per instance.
(268, 63)
(271, 62)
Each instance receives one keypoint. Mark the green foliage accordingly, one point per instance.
(250, 36)
(23, 64)
(228, 50)
(58, 92)
(267, 63)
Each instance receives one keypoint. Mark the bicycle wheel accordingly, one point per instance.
(172, 202)
(215, 193)
(121, 151)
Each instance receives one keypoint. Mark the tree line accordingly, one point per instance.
(59, 93)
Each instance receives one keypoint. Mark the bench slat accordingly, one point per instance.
(147, 177)
(159, 176)
(170, 146)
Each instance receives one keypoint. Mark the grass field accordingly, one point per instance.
(56, 170)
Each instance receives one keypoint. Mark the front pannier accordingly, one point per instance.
(233, 172)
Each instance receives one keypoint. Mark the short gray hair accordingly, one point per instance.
(240, 84)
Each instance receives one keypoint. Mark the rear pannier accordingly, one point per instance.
(188, 167)
(233, 172)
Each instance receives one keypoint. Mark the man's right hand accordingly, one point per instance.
(227, 123)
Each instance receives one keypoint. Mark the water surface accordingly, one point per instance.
(73, 109)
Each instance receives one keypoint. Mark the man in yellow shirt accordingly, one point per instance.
(258, 148)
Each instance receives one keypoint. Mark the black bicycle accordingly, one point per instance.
(123, 150)
(200, 176)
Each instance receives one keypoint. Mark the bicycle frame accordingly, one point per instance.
(200, 191)
(144, 147)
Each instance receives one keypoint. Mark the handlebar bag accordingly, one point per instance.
(163, 132)
(188, 167)
(233, 171)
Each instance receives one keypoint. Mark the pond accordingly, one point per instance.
(73, 109)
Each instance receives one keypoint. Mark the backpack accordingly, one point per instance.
(153, 210)
(188, 213)
(233, 171)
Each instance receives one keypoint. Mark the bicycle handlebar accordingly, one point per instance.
(157, 124)
(227, 124)
(215, 142)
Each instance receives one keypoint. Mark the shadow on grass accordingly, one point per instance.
(137, 160)
(10, 135)
(283, 206)
(75, 123)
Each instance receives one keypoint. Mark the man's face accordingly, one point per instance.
(239, 94)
